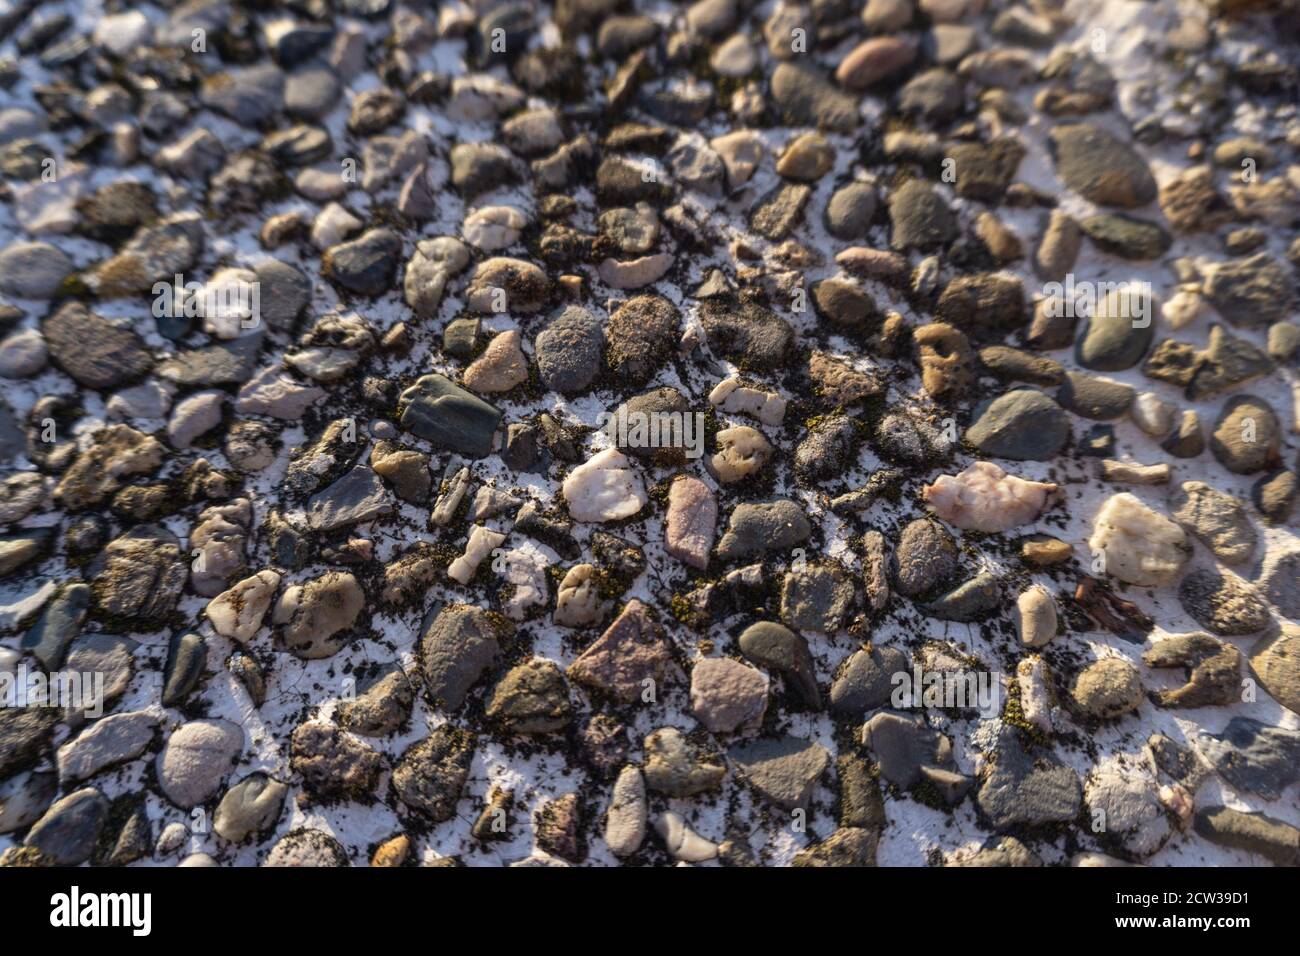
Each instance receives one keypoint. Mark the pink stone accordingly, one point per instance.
(692, 521)
(727, 695)
(629, 653)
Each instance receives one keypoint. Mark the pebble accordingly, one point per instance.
(23, 355)
(1246, 435)
(1137, 544)
(676, 767)
(919, 217)
(1023, 789)
(93, 351)
(114, 739)
(501, 367)
(777, 648)
(986, 498)
(237, 613)
(805, 98)
(1022, 424)
(1252, 292)
(909, 752)
(306, 848)
(196, 758)
(864, 680)
(728, 696)
(249, 808)
(683, 843)
(782, 770)
(1101, 399)
(530, 698)
(1273, 659)
(68, 832)
(850, 211)
(630, 652)
(1252, 832)
(1223, 603)
(1114, 337)
(604, 489)
(874, 60)
(332, 764)
(1037, 621)
(437, 410)
(33, 270)
(1217, 519)
(691, 521)
(1253, 756)
(1213, 670)
(1100, 167)
(1277, 579)
(763, 526)
(625, 819)
(1135, 820)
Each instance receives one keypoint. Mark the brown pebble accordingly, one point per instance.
(392, 852)
(1042, 551)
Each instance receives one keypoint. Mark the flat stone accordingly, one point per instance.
(1252, 832)
(109, 741)
(59, 624)
(139, 577)
(1133, 817)
(1026, 790)
(968, 601)
(630, 653)
(817, 599)
(359, 496)
(1219, 520)
(441, 412)
(383, 703)
(783, 770)
(1253, 756)
(691, 521)
(1090, 396)
(727, 695)
(530, 698)
(759, 527)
